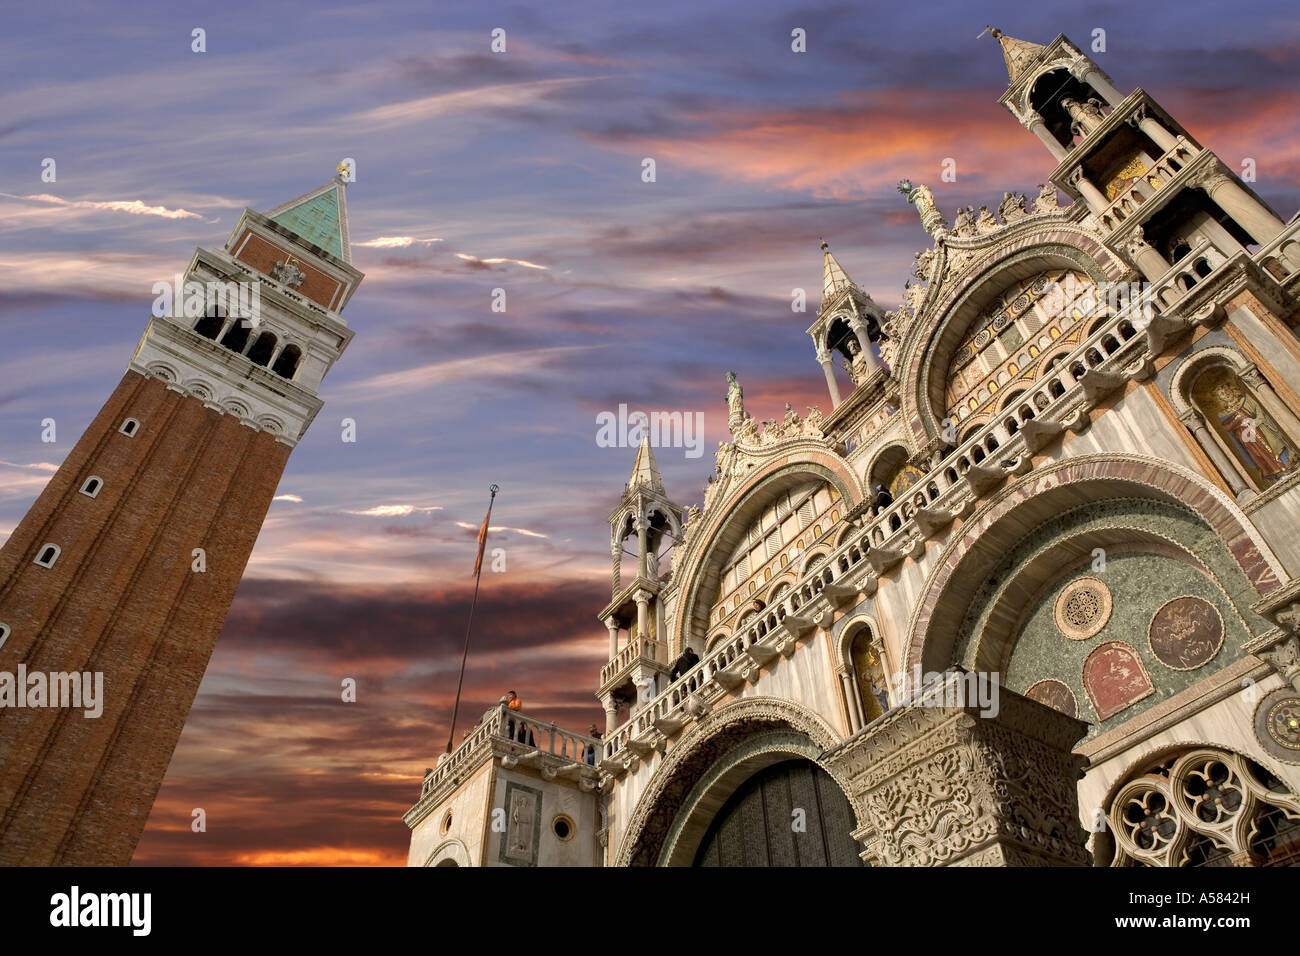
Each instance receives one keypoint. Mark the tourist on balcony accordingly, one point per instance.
(883, 498)
(684, 663)
(591, 748)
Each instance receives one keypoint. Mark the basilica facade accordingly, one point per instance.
(1026, 594)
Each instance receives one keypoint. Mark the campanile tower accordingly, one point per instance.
(128, 561)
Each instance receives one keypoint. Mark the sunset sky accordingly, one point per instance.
(519, 170)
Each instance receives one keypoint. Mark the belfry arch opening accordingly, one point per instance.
(1046, 98)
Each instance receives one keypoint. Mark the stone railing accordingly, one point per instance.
(1281, 257)
(1164, 169)
(638, 648)
(503, 724)
(1120, 348)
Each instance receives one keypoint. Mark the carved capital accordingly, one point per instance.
(956, 785)
(1284, 656)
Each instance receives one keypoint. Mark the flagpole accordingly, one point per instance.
(478, 574)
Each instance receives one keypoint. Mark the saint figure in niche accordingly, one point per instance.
(1247, 428)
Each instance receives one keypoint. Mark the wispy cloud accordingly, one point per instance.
(491, 262)
(395, 242)
(132, 207)
(395, 511)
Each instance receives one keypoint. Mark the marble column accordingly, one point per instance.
(1039, 128)
(1096, 200)
(1251, 214)
(828, 367)
(612, 624)
(611, 716)
(642, 547)
(1088, 72)
(1156, 131)
(1150, 263)
(642, 599)
(1195, 421)
(851, 702)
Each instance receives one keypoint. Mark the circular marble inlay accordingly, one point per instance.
(1054, 694)
(1186, 633)
(1082, 608)
(1277, 724)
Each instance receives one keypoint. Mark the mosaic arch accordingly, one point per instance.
(941, 625)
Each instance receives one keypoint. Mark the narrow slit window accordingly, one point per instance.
(129, 427)
(48, 554)
(90, 487)
(4, 634)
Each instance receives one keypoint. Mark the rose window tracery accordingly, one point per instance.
(1205, 807)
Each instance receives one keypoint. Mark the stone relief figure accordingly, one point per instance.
(964, 223)
(924, 264)
(1046, 200)
(790, 424)
(747, 432)
(813, 423)
(923, 199)
(914, 296)
(1085, 116)
(1012, 207)
(986, 223)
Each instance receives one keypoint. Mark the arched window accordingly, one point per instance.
(4, 634)
(48, 554)
(993, 343)
(129, 427)
(287, 363)
(868, 676)
(210, 325)
(262, 350)
(90, 487)
(237, 337)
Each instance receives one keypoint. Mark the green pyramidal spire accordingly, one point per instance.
(320, 217)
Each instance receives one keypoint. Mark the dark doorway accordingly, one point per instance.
(757, 826)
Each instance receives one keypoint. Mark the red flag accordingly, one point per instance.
(482, 536)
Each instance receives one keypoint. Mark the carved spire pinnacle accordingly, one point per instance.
(644, 470)
(834, 278)
(1018, 54)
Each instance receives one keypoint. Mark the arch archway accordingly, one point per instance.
(716, 543)
(937, 618)
(450, 852)
(787, 813)
(698, 772)
(931, 343)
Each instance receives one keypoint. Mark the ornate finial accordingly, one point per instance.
(825, 246)
(923, 199)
